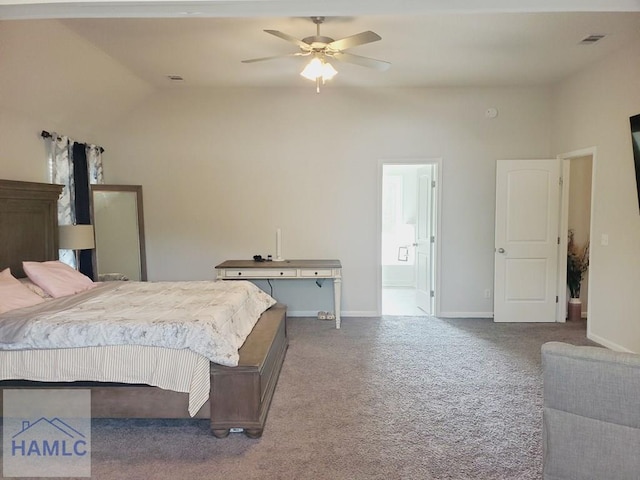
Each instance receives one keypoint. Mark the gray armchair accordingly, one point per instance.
(591, 416)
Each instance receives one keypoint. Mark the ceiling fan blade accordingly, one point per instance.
(362, 61)
(354, 40)
(289, 38)
(262, 59)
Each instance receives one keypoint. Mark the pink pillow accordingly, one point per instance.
(34, 288)
(15, 295)
(56, 278)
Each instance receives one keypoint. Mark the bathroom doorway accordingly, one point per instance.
(408, 237)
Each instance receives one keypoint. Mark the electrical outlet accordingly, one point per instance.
(487, 293)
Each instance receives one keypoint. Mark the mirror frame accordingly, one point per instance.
(137, 189)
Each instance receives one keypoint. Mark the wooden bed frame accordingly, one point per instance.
(239, 397)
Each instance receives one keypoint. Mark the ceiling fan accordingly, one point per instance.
(321, 49)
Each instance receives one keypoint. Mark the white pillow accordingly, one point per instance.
(15, 295)
(56, 278)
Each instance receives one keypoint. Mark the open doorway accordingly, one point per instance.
(408, 240)
(577, 204)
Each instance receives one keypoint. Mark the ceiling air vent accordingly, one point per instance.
(591, 39)
(175, 78)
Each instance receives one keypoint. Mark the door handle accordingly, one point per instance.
(501, 250)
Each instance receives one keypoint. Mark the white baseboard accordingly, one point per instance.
(371, 313)
(606, 343)
(363, 313)
(314, 313)
(302, 313)
(465, 315)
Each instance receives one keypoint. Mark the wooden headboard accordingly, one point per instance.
(28, 223)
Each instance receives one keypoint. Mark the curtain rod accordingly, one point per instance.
(45, 134)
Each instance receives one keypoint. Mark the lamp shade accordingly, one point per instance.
(328, 72)
(313, 69)
(318, 68)
(76, 237)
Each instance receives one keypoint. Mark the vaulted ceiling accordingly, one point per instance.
(429, 43)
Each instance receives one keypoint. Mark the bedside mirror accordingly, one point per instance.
(117, 217)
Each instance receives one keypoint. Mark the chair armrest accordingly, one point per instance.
(591, 414)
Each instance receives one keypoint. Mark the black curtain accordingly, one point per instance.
(83, 212)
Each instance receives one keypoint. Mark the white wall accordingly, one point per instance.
(222, 169)
(22, 152)
(592, 108)
(51, 79)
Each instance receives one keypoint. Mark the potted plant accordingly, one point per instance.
(577, 266)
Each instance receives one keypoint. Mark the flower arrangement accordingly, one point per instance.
(577, 265)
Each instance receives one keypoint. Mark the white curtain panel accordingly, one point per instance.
(94, 163)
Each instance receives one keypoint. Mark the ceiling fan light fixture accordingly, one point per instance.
(318, 69)
(313, 69)
(328, 72)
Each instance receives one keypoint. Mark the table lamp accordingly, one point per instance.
(76, 238)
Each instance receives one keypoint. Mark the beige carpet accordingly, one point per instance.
(389, 398)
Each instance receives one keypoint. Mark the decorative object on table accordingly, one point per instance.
(278, 246)
(76, 238)
(577, 266)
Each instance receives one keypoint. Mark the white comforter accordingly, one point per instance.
(212, 319)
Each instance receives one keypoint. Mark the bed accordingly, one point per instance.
(231, 387)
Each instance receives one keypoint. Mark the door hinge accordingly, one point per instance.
(432, 294)
(558, 240)
(433, 239)
(433, 184)
(556, 298)
(560, 181)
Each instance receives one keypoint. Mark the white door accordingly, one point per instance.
(526, 240)
(424, 238)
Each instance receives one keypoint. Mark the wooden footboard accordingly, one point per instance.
(239, 396)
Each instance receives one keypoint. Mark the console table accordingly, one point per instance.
(287, 269)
